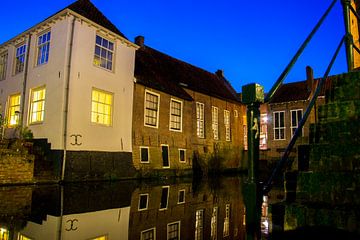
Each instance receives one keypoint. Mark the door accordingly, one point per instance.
(165, 156)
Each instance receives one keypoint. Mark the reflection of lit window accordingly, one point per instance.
(199, 224)
(175, 115)
(43, 48)
(173, 231)
(101, 107)
(100, 238)
(227, 125)
(227, 221)
(4, 234)
(215, 122)
(296, 116)
(182, 157)
(181, 197)
(148, 234)
(263, 131)
(279, 125)
(20, 58)
(37, 105)
(245, 132)
(200, 122)
(143, 201)
(214, 217)
(14, 110)
(104, 52)
(164, 198)
(144, 154)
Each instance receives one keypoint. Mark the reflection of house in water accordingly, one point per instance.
(184, 211)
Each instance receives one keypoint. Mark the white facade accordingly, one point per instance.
(70, 76)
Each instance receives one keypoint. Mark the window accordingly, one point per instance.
(227, 125)
(175, 115)
(101, 107)
(296, 116)
(200, 120)
(227, 221)
(164, 198)
(181, 196)
(20, 58)
(22, 237)
(182, 155)
(143, 201)
(215, 122)
(165, 156)
(149, 234)
(279, 125)
(14, 110)
(37, 105)
(43, 48)
(104, 53)
(151, 113)
(199, 224)
(3, 63)
(104, 237)
(235, 113)
(245, 132)
(263, 131)
(144, 154)
(4, 234)
(173, 231)
(214, 217)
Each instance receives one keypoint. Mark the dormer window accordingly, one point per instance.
(104, 53)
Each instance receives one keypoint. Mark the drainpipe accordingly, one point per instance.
(66, 100)
(348, 35)
(26, 69)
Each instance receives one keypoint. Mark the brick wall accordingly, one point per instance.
(16, 166)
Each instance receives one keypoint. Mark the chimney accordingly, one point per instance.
(220, 73)
(139, 40)
(309, 78)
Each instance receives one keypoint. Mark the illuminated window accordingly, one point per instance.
(182, 155)
(37, 105)
(199, 224)
(173, 231)
(22, 237)
(227, 125)
(175, 115)
(215, 122)
(245, 132)
(235, 113)
(14, 110)
(200, 120)
(104, 53)
(164, 198)
(20, 58)
(4, 234)
(3, 63)
(43, 48)
(227, 221)
(144, 154)
(214, 217)
(296, 116)
(101, 107)
(279, 125)
(151, 113)
(148, 234)
(263, 131)
(181, 196)
(143, 201)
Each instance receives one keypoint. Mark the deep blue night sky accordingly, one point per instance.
(252, 41)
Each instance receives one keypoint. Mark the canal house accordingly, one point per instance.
(184, 117)
(69, 79)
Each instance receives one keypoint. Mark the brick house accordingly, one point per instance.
(183, 115)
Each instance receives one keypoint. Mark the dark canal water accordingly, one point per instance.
(168, 209)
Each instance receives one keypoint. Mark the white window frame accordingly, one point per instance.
(215, 122)
(279, 128)
(148, 154)
(226, 231)
(20, 58)
(43, 48)
(171, 114)
(181, 149)
(199, 224)
(147, 230)
(98, 58)
(236, 113)
(168, 154)
(178, 230)
(227, 124)
(200, 120)
(157, 110)
(181, 191)
(167, 198)
(147, 201)
(3, 64)
(214, 222)
(32, 103)
(104, 104)
(292, 127)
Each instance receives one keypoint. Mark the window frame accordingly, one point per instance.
(200, 120)
(226, 229)
(148, 154)
(39, 48)
(178, 223)
(172, 114)
(147, 201)
(184, 150)
(103, 48)
(98, 112)
(227, 125)
(157, 110)
(147, 230)
(279, 128)
(31, 105)
(181, 191)
(18, 64)
(10, 108)
(215, 122)
(199, 224)
(3, 64)
(293, 128)
(167, 198)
